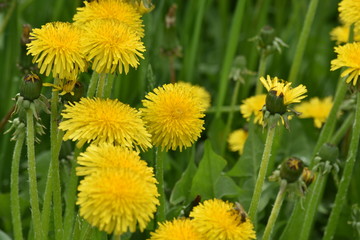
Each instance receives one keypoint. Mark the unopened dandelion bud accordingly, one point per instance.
(274, 103)
(328, 152)
(30, 87)
(267, 37)
(291, 169)
(308, 176)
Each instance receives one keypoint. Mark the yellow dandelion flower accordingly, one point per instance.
(340, 34)
(173, 116)
(283, 88)
(104, 120)
(177, 229)
(316, 108)
(109, 157)
(111, 45)
(349, 11)
(56, 48)
(65, 86)
(110, 9)
(118, 201)
(216, 219)
(348, 56)
(200, 93)
(237, 140)
(253, 105)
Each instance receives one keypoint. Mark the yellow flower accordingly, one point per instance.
(283, 88)
(340, 34)
(237, 140)
(349, 11)
(317, 109)
(111, 45)
(104, 120)
(110, 9)
(200, 93)
(65, 86)
(217, 219)
(253, 105)
(118, 201)
(348, 56)
(56, 48)
(177, 229)
(173, 116)
(109, 157)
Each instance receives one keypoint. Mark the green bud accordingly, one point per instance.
(328, 152)
(78, 91)
(274, 103)
(30, 87)
(267, 37)
(308, 176)
(291, 169)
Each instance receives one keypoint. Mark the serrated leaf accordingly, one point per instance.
(225, 186)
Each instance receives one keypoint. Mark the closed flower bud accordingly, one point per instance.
(30, 87)
(308, 176)
(275, 104)
(329, 152)
(267, 37)
(291, 169)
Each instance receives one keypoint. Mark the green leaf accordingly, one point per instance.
(225, 186)
(216, 134)
(209, 170)
(4, 236)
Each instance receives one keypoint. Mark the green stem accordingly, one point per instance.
(70, 197)
(7, 17)
(55, 148)
(34, 198)
(261, 72)
(275, 210)
(92, 85)
(45, 214)
(231, 114)
(346, 177)
(224, 109)
(340, 133)
(234, 36)
(300, 48)
(101, 85)
(262, 172)
(312, 206)
(109, 85)
(14, 190)
(159, 174)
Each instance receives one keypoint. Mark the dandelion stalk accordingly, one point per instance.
(14, 190)
(34, 199)
(300, 48)
(109, 85)
(159, 175)
(261, 72)
(340, 133)
(275, 210)
(262, 172)
(101, 85)
(346, 177)
(93, 84)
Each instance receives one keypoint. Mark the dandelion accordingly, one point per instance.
(237, 140)
(173, 116)
(348, 56)
(340, 34)
(106, 156)
(252, 106)
(216, 219)
(118, 201)
(110, 9)
(104, 120)
(200, 93)
(316, 108)
(111, 45)
(349, 11)
(56, 48)
(177, 229)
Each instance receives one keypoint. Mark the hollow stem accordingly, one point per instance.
(159, 174)
(340, 133)
(92, 85)
(14, 190)
(261, 72)
(275, 210)
(101, 85)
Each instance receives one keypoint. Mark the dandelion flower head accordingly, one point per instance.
(118, 201)
(340, 34)
(237, 140)
(200, 93)
(173, 116)
(217, 219)
(111, 45)
(104, 120)
(253, 105)
(177, 229)
(349, 11)
(56, 47)
(348, 56)
(106, 156)
(110, 9)
(316, 108)
(283, 88)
